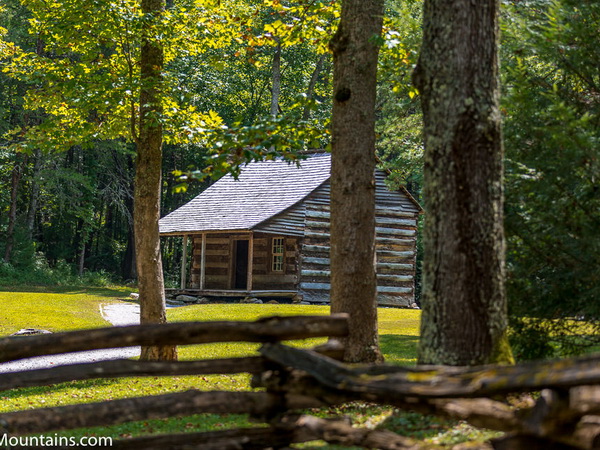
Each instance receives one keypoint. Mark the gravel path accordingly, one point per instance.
(119, 314)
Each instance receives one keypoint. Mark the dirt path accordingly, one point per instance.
(118, 314)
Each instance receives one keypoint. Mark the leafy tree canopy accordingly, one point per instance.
(552, 110)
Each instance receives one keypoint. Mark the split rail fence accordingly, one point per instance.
(289, 380)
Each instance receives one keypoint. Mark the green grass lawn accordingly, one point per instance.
(67, 309)
(58, 309)
(398, 328)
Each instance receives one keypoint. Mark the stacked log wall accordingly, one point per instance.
(315, 272)
(395, 245)
(396, 231)
(217, 262)
(263, 278)
(195, 269)
(289, 222)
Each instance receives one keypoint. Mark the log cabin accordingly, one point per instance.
(266, 234)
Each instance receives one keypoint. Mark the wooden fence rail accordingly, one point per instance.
(566, 414)
(257, 404)
(264, 330)
(383, 382)
(119, 368)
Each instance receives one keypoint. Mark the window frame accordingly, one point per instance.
(277, 257)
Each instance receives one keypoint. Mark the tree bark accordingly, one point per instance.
(464, 304)
(353, 281)
(148, 182)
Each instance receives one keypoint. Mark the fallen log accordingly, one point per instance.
(588, 432)
(555, 418)
(265, 330)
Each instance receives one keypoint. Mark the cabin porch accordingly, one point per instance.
(239, 264)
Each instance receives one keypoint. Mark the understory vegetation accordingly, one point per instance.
(38, 272)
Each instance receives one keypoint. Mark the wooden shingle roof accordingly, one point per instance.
(263, 190)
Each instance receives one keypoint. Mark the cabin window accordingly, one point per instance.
(277, 252)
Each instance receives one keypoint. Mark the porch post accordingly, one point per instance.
(184, 262)
(203, 262)
(250, 260)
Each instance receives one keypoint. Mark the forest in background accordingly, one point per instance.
(251, 76)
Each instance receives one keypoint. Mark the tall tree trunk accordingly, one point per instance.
(81, 259)
(34, 194)
(276, 80)
(353, 281)
(128, 269)
(148, 181)
(310, 90)
(464, 305)
(128, 264)
(12, 213)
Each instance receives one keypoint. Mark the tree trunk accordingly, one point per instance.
(276, 76)
(128, 270)
(81, 258)
(353, 281)
(148, 182)
(310, 90)
(12, 213)
(35, 192)
(464, 304)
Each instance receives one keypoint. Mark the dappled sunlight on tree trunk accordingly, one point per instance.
(353, 280)
(148, 185)
(464, 303)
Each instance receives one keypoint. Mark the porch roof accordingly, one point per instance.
(262, 190)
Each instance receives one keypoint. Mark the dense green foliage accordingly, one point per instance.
(552, 108)
(400, 146)
(552, 129)
(68, 116)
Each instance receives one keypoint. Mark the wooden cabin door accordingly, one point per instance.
(240, 264)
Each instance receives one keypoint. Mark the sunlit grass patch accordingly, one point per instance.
(61, 309)
(398, 329)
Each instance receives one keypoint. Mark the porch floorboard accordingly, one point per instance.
(233, 293)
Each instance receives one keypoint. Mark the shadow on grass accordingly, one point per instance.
(415, 425)
(98, 291)
(399, 349)
(68, 387)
